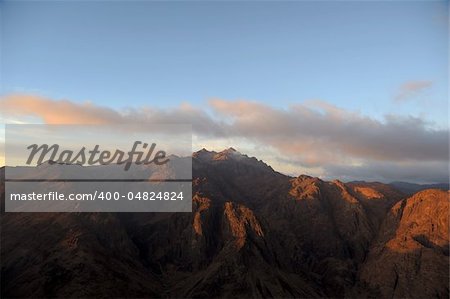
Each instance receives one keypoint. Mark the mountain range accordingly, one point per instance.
(253, 232)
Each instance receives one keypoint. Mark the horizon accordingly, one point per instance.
(248, 156)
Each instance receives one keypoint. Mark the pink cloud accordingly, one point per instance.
(412, 89)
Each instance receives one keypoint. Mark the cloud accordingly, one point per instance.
(313, 136)
(412, 89)
(321, 133)
(56, 112)
(67, 112)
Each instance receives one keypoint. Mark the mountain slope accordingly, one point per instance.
(410, 256)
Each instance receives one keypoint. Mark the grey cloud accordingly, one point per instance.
(324, 134)
(314, 134)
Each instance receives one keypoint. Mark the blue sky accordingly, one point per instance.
(352, 54)
(347, 89)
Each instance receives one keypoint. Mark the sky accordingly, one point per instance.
(352, 90)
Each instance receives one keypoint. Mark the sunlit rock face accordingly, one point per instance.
(410, 256)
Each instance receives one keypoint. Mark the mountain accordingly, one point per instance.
(410, 188)
(410, 256)
(253, 232)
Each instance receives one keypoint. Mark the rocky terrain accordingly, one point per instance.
(252, 232)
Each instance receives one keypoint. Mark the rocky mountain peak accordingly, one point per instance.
(229, 153)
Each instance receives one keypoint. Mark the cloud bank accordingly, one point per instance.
(314, 137)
